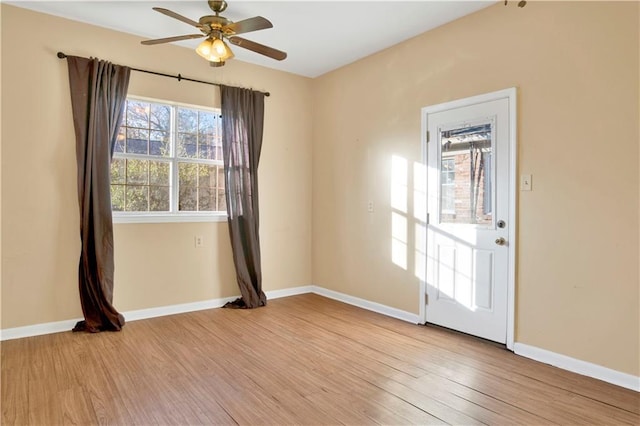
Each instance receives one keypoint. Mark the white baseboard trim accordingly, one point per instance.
(37, 329)
(139, 314)
(286, 292)
(205, 304)
(182, 308)
(578, 366)
(365, 304)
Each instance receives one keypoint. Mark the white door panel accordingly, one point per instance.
(468, 203)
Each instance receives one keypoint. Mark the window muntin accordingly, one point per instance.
(168, 162)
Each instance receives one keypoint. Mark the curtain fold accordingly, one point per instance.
(242, 128)
(98, 95)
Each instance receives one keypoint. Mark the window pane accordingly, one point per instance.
(465, 171)
(117, 198)
(119, 146)
(206, 122)
(159, 143)
(187, 147)
(137, 198)
(137, 114)
(137, 141)
(188, 198)
(188, 174)
(137, 172)
(206, 147)
(187, 120)
(159, 199)
(159, 173)
(222, 201)
(448, 199)
(221, 177)
(206, 199)
(118, 170)
(207, 176)
(160, 117)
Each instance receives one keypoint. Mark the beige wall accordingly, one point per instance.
(156, 264)
(575, 66)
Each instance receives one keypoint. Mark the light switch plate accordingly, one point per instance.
(525, 183)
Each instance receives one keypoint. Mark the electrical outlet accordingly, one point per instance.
(370, 206)
(199, 241)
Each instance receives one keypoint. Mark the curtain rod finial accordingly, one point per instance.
(61, 55)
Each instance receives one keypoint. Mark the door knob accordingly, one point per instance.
(501, 241)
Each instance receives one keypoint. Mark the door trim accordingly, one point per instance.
(510, 95)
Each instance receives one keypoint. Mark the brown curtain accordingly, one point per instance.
(242, 124)
(98, 95)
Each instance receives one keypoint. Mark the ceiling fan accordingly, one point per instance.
(218, 28)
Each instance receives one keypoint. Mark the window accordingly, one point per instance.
(465, 176)
(167, 164)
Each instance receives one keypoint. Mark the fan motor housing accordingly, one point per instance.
(215, 22)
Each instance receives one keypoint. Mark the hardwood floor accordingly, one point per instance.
(300, 360)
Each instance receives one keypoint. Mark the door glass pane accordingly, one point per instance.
(466, 195)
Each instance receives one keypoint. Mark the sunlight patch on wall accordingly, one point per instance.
(399, 240)
(420, 216)
(420, 192)
(399, 183)
(399, 209)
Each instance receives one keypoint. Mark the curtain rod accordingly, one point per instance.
(179, 77)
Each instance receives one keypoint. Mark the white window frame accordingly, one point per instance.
(174, 215)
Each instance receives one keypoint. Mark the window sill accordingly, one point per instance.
(168, 218)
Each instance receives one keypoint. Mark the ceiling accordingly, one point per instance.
(319, 36)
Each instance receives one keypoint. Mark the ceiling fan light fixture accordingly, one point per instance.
(214, 50)
(205, 48)
(220, 48)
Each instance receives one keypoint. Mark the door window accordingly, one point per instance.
(466, 190)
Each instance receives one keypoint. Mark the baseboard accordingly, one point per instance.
(182, 308)
(139, 314)
(37, 329)
(578, 366)
(286, 292)
(366, 304)
(205, 304)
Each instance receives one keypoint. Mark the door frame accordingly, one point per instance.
(510, 95)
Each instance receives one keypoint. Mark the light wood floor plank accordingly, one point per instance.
(300, 360)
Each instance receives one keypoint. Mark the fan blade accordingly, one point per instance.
(247, 25)
(174, 15)
(170, 39)
(258, 48)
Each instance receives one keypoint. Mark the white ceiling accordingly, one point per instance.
(318, 36)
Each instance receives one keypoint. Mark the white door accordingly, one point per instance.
(468, 178)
